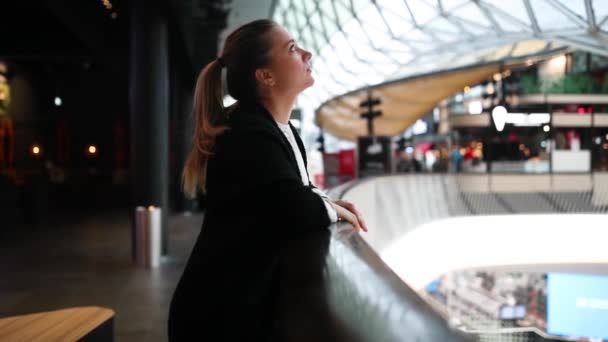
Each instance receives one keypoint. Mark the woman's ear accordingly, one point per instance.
(264, 76)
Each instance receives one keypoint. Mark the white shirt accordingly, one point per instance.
(331, 212)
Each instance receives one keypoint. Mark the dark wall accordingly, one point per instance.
(93, 111)
(94, 103)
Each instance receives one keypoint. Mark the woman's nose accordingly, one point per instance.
(307, 55)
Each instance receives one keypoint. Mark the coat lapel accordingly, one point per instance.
(285, 143)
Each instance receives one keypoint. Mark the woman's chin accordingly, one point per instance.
(310, 82)
(307, 84)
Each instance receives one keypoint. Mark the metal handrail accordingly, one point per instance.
(335, 287)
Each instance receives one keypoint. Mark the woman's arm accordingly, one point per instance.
(347, 212)
(343, 210)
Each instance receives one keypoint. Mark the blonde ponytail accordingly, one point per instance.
(245, 50)
(209, 122)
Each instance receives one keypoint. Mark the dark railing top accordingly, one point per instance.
(335, 287)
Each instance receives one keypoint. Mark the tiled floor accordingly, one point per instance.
(87, 261)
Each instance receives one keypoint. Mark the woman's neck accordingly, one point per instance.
(279, 107)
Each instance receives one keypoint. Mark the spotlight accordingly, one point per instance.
(91, 150)
(36, 150)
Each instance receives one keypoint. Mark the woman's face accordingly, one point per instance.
(289, 69)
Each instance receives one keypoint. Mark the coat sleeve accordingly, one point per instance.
(269, 184)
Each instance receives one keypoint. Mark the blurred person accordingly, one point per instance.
(251, 164)
(430, 158)
(404, 162)
(561, 143)
(443, 159)
(418, 161)
(469, 152)
(456, 159)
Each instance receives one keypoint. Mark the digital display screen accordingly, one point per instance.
(577, 305)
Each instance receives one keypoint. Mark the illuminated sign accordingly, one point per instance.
(501, 117)
(527, 120)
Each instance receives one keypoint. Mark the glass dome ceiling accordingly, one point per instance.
(360, 43)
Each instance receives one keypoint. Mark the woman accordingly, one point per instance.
(252, 165)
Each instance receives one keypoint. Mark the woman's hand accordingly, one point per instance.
(347, 212)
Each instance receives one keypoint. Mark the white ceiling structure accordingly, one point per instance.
(365, 43)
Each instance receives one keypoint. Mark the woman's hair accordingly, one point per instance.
(245, 50)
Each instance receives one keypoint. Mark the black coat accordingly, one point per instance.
(255, 204)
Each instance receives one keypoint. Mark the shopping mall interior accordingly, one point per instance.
(472, 136)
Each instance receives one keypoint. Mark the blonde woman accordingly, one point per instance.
(252, 166)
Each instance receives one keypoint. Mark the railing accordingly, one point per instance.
(400, 203)
(336, 288)
(396, 206)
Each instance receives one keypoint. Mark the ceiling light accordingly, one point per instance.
(91, 150)
(475, 107)
(36, 150)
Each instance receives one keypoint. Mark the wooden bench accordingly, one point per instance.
(90, 324)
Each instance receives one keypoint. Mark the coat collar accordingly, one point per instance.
(258, 109)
